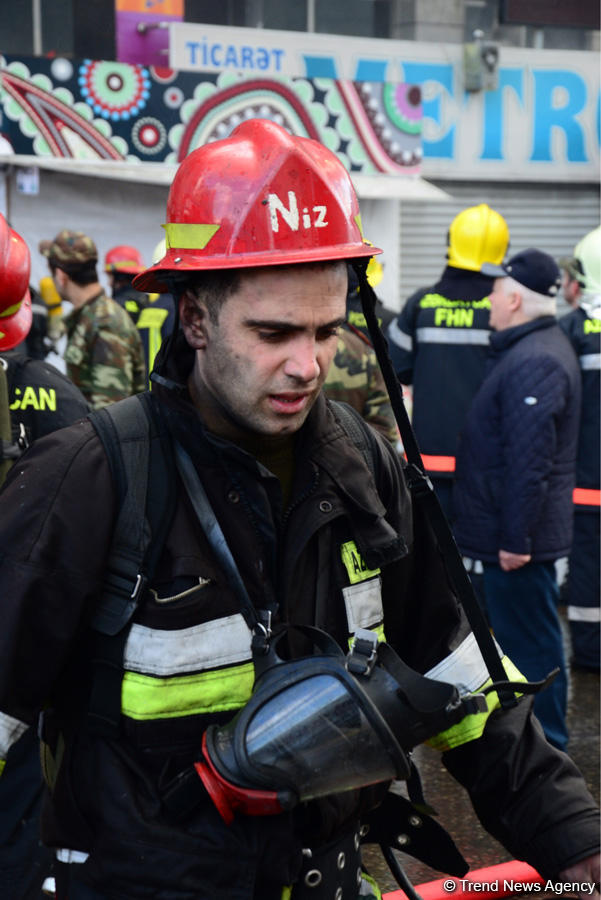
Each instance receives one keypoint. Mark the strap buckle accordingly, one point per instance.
(363, 654)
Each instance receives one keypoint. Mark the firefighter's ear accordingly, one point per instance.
(193, 317)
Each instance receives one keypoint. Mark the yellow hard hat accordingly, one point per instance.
(477, 235)
(588, 253)
(374, 272)
(50, 296)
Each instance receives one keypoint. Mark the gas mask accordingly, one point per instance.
(323, 724)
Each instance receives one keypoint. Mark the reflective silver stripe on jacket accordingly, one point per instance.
(590, 361)
(399, 337)
(220, 642)
(584, 614)
(464, 665)
(363, 603)
(479, 336)
(10, 732)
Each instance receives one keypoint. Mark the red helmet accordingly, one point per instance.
(261, 197)
(123, 259)
(15, 328)
(15, 303)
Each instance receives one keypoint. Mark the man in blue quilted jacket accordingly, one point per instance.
(516, 471)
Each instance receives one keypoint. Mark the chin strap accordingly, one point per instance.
(423, 492)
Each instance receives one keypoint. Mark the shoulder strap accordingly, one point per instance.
(139, 457)
(358, 431)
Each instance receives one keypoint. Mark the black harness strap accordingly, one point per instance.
(423, 492)
(139, 455)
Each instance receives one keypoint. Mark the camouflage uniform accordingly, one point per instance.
(355, 378)
(104, 353)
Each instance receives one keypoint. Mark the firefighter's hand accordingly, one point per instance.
(586, 872)
(511, 561)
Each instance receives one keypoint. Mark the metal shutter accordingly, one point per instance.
(552, 217)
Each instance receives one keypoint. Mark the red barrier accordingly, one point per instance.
(502, 880)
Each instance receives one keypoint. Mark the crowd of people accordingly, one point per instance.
(199, 498)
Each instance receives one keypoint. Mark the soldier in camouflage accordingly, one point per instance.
(355, 378)
(104, 354)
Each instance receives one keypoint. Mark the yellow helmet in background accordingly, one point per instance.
(477, 235)
(588, 254)
(374, 272)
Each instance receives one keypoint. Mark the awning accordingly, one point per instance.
(368, 187)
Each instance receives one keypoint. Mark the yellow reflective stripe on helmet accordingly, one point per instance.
(11, 310)
(472, 727)
(189, 236)
(144, 697)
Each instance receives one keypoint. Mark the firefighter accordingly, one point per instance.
(152, 313)
(35, 400)
(439, 341)
(260, 514)
(582, 289)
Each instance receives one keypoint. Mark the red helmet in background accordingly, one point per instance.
(15, 302)
(260, 197)
(123, 259)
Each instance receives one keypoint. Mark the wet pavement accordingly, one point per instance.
(454, 808)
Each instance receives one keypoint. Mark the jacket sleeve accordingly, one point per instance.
(527, 794)
(51, 566)
(534, 397)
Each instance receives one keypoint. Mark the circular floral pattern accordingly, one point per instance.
(149, 135)
(173, 97)
(114, 90)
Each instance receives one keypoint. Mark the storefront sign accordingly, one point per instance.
(540, 124)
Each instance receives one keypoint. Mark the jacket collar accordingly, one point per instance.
(502, 340)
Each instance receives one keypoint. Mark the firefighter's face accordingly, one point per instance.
(260, 367)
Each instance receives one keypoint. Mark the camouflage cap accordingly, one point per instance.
(69, 249)
(572, 267)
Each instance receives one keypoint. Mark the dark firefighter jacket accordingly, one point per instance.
(41, 398)
(342, 556)
(153, 316)
(517, 454)
(584, 333)
(439, 344)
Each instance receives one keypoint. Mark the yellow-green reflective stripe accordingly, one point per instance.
(286, 892)
(355, 564)
(378, 629)
(2, 764)
(188, 236)
(10, 310)
(144, 697)
(471, 728)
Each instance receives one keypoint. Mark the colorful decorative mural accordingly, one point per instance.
(120, 111)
